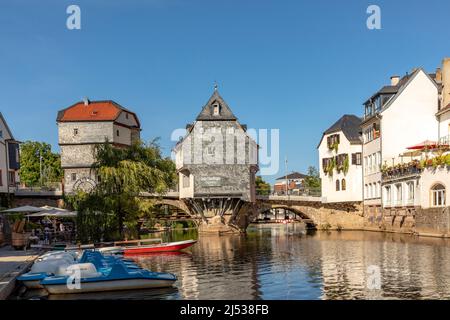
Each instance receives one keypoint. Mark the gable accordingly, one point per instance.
(216, 109)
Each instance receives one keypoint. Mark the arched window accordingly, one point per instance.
(343, 185)
(438, 195)
(337, 185)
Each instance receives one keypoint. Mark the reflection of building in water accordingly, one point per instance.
(408, 270)
(227, 274)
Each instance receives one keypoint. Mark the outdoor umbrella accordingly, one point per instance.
(23, 209)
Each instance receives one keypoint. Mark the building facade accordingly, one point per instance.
(395, 117)
(340, 161)
(293, 184)
(9, 160)
(84, 125)
(217, 161)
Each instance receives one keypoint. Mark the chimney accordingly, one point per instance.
(86, 101)
(395, 80)
(438, 77)
(445, 82)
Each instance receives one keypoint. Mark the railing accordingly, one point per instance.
(401, 172)
(445, 140)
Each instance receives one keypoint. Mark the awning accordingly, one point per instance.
(427, 144)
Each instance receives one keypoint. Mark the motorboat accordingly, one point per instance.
(146, 246)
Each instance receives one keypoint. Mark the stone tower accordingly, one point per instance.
(217, 161)
(84, 125)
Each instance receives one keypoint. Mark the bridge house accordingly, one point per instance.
(217, 161)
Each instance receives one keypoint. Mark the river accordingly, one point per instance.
(285, 262)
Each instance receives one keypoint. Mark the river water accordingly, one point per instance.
(284, 262)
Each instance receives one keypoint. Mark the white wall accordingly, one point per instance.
(444, 125)
(428, 179)
(410, 119)
(353, 177)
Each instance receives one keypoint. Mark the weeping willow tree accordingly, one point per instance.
(115, 202)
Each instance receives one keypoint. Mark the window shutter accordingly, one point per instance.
(353, 158)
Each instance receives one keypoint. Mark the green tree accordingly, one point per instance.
(31, 164)
(115, 202)
(262, 187)
(312, 181)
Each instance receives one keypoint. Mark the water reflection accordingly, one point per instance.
(284, 262)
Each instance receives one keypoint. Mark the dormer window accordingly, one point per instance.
(216, 109)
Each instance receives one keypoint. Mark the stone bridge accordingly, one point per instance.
(311, 210)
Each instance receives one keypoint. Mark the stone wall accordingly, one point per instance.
(37, 202)
(433, 221)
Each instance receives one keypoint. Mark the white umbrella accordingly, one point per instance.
(23, 209)
(61, 213)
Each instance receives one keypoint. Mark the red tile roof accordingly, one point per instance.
(94, 111)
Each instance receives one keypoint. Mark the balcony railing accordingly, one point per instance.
(401, 171)
(445, 140)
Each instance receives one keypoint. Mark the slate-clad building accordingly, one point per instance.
(216, 160)
(86, 124)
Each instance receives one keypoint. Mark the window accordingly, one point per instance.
(378, 161)
(118, 132)
(332, 140)
(216, 109)
(438, 195)
(410, 189)
(370, 164)
(126, 115)
(12, 178)
(1, 133)
(388, 195)
(1, 178)
(337, 185)
(398, 194)
(73, 176)
(343, 185)
(366, 191)
(356, 158)
(75, 131)
(186, 181)
(366, 162)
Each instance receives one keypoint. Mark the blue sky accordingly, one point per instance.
(292, 65)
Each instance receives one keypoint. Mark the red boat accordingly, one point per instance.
(145, 246)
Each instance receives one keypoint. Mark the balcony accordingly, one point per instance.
(401, 171)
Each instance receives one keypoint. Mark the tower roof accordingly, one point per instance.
(207, 113)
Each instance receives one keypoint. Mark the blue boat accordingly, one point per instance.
(111, 278)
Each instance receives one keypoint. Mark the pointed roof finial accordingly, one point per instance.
(215, 85)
